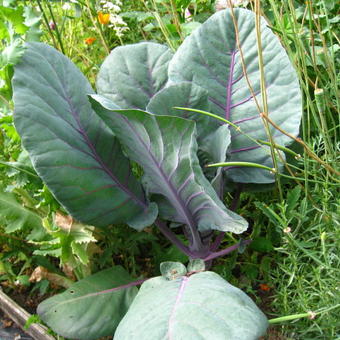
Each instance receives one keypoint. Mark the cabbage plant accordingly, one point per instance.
(83, 144)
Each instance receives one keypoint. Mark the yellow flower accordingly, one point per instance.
(89, 41)
(103, 18)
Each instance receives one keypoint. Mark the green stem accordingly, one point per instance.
(98, 28)
(264, 93)
(309, 180)
(56, 28)
(247, 164)
(176, 20)
(237, 128)
(280, 147)
(288, 318)
(310, 315)
(47, 24)
(165, 31)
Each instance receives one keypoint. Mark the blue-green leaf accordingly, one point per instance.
(71, 149)
(166, 149)
(188, 95)
(90, 308)
(202, 306)
(131, 75)
(210, 58)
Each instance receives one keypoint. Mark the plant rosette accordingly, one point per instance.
(82, 145)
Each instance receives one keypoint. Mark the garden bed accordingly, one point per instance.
(63, 268)
(13, 320)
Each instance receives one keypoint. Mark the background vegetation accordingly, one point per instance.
(292, 267)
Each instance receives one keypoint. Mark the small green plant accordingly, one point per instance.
(83, 144)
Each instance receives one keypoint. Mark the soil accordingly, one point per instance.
(273, 334)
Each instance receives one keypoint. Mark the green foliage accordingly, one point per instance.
(94, 169)
(17, 24)
(141, 69)
(15, 216)
(217, 65)
(70, 241)
(172, 21)
(308, 250)
(78, 164)
(166, 178)
(301, 276)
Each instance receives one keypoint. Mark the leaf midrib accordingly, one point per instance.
(87, 140)
(181, 205)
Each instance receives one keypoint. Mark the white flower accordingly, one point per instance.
(66, 6)
(117, 20)
(187, 15)
(118, 25)
(222, 4)
(111, 7)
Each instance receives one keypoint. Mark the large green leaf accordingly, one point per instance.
(131, 75)
(165, 146)
(70, 147)
(210, 58)
(202, 306)
(90, 308)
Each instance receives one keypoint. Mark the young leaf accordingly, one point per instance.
(131, 75)
(90, 308)
(12, 53)
(202, 306)
(15, 216)
(166, 149)
(293, 197)
(71, 149)
(196, 265)
(210, 58)
(172, 270)
(213, 150)
(212, 139)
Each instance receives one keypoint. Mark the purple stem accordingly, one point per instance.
(242, 102)
(233, 207)
(226, 251)
(245, 149)
(229, 86)
(184, 282)
(245, 119)
(236, 199)
(237, 79)
(172, 237)
(217, 241)
(128, 285)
